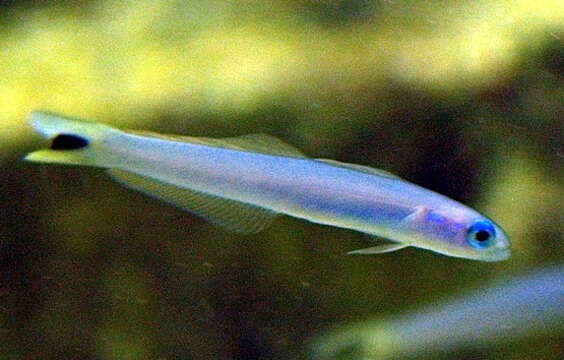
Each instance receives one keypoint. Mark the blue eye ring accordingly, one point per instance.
(481, 234)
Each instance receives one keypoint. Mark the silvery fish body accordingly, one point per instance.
(242, 183)
(528, 305)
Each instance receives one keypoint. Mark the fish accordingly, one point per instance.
(242, 183)
(522, 306)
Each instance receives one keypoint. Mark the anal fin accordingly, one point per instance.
(230, 214)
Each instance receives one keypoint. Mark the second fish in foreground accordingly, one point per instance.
(242, 183)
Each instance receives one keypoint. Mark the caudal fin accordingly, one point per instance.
(73, 141)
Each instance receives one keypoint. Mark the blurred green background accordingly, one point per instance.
(462, 97)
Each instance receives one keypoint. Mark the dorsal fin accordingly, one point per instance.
(259, 143)
(230, 214)
(361, 168)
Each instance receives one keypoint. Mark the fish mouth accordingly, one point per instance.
(500, 255)
(487, 255)
(491, 256)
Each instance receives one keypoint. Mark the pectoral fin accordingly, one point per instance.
(418, 214)
(380, 249)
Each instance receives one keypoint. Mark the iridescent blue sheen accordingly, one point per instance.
(259, 173)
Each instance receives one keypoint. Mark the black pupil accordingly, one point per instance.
(68, 142)
(482, 235)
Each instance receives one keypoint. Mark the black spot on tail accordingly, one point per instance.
(68, 142)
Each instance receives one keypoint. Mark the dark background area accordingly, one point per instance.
(464, 98)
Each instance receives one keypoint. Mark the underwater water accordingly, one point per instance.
(463, 98)
(525, 305)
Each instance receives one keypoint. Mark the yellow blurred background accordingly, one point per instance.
(462, 97)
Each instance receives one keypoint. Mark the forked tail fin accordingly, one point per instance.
(73, 141)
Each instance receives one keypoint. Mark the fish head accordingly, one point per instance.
(465, 234)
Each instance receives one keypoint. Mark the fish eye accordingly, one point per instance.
(481, 234)
(68, 142)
